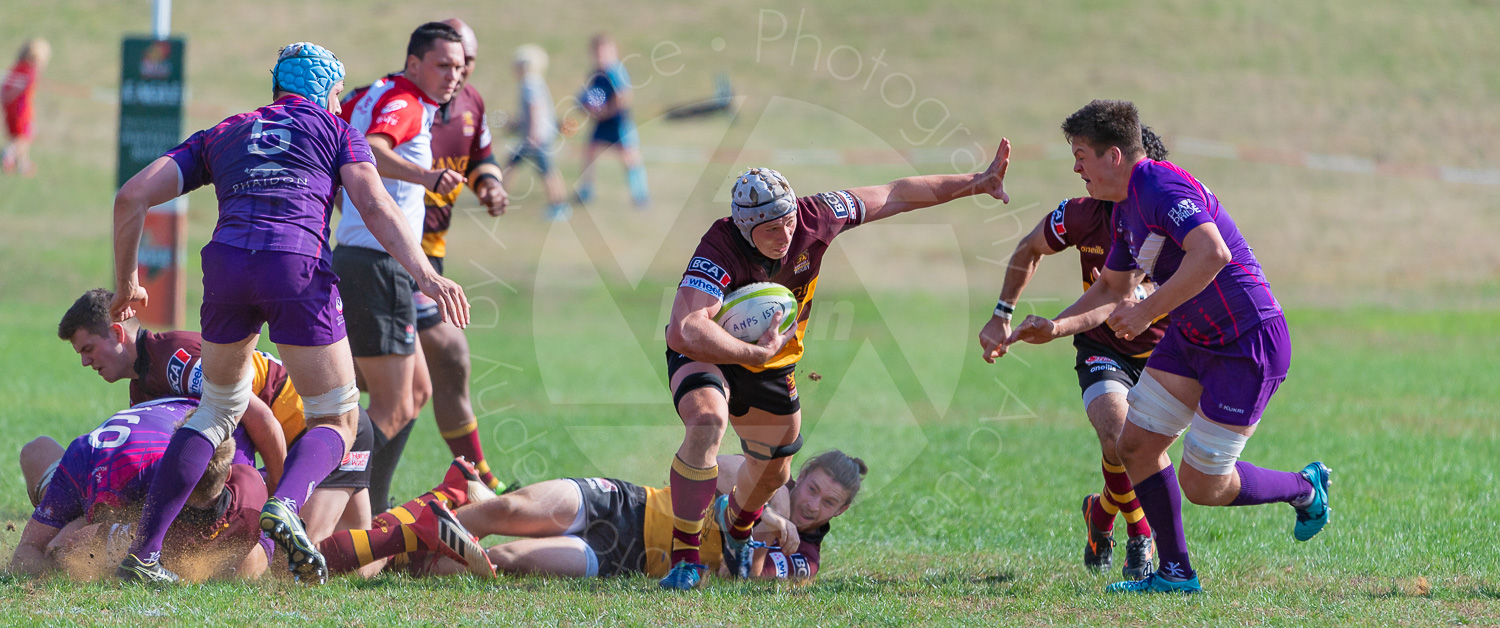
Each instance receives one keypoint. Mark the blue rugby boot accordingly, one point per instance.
(1314, 515)
(737, 553)
(1154, 583)
(684, 576)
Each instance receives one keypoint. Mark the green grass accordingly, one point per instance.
(969, 514)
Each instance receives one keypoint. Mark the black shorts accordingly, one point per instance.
(354, 470)
(771, 390)
(614, 524)
(1098, 363)
(378, 308)
(428, 313)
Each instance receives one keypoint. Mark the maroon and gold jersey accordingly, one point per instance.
(460, 139)
(1084, 224)
(725, 261)
(169, 365)
(231, 527)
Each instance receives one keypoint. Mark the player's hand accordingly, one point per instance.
(992, 180)
(128, 294)
(772, 341)
(493, 196)
(450, 298)
(775, 529)
(1129, 320)
(1034, 330)
(446, 180)
(992, 338)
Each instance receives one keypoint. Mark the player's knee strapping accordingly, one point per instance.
(1212, 448)
(762, 451)
(220, 408)
(1102, 388)
(1154, 409)
(334, 403)
(694, 381)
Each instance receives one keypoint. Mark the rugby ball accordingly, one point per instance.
(748, 311)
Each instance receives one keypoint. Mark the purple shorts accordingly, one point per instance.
(1238, 378)
(295, 294)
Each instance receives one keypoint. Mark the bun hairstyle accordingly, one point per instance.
(849, 472)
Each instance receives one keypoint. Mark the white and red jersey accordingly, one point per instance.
(397, 108)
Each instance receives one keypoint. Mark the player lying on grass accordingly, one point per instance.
(1107, 366)
(274, 171)
(86, 497)
(718, 380)
(587, 527)
(169, 365)
(1222, 358)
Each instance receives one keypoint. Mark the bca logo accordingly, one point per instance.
(1184, 208)
(1057, 221)
(712, 270)
(175, 367)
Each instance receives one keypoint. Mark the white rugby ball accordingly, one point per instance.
(748, 311)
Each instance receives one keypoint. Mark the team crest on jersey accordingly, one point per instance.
(468, 124)
(394, 106)
(802, 264)
(1098, 363)
(175, 367)
(1057, 221)
(710, 270)
(1185, 207)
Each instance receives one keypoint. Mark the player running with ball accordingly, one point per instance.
(718, 380)
(275, 171)
(1224, 354)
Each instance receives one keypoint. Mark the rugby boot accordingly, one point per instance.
(440, 531)
(281, 523)
(1154, 583)
(1140, 557)
(684, 576)
(461, 485)
(1312, 517)
(133, 569)
(1098, 553)
(737, 552)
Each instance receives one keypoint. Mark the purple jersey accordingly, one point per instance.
(275, 171)
(1164, 204)
(113, 465)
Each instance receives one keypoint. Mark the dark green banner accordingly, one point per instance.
(151, 101)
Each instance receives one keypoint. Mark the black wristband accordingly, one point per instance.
(439, 179)
(488, 175)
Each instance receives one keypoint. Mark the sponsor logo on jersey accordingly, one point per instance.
(355, 461)
(802, 264)
(1185, 207)
(702, 285)
(1098, 363)
(411, 334)
(800, 569)
(1092, 250)
(778, 560)
(602, 485)
(791, 386)
(394, 106)
(840, 202)
(267, 169)
(709, 269)
(175, 366)
(388, 120)
(195, 380)
(1230, 409)
(1057, 221)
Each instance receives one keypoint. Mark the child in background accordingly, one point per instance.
(536, 122)
(607, 98)
(15, 96)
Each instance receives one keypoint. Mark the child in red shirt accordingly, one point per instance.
(15, 96)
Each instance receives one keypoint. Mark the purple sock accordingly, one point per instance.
(181, 468)
(1161, 500)
(314, 456)
(1267, 486)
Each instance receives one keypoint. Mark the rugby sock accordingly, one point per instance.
(1121, 495)
(741, 521)
(390, 534)
(311, 459)
(464, 441)
(1267, 486)
(1161, 499)
(692, 494)
(181, 468)
(638, 189)
(383, 461)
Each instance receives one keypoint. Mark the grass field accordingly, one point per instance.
(969, 514)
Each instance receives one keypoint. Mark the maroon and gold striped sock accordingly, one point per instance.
(692, 494)
(741, 521)
(1119, 492)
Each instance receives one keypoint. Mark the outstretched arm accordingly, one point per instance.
(1022, 267)
(386, 223)
(157, 183)
(904, 195)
